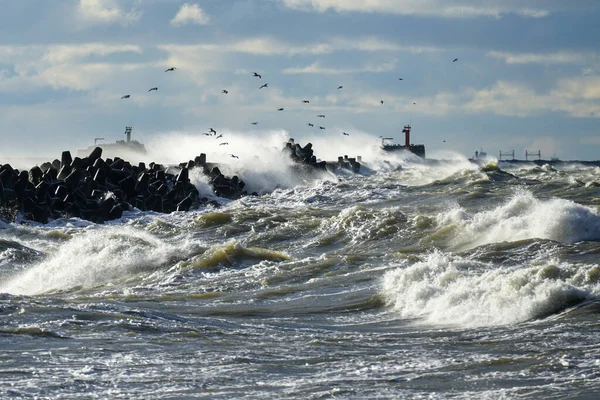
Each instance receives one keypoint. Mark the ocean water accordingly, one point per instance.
(414, 279)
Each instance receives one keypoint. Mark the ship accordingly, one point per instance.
(417, 149)
(127, 149)
(479, 155)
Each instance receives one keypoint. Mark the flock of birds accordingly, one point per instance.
(213, 132)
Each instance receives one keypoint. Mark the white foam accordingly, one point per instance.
(452, 291)
(258, 160)
(522, 217)
(100, 256)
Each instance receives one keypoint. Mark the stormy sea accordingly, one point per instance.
(436, 278)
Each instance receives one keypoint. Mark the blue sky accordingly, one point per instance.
(527, 75)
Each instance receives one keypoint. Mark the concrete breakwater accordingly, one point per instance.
(98, 190)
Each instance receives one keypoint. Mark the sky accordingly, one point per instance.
(527, 75)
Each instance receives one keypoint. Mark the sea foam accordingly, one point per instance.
(521, 217)
(453, 291)
(104, 256)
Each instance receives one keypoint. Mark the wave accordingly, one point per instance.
(522, 217)
(235, 254)
(101, 256)
(453, 291)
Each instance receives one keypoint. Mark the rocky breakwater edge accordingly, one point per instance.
(98, 190)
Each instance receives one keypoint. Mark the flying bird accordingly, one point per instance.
(170, 69)
(257, 74)
(339, 87)
(309, 124)
(233, 156)
(265, 85)
(400, 79)
(206, 134)
(255, 123)
(154, 88)
(381, 101)
(321, 116)
(223, 144)
(321, 127)
(280, 109)
(305, 101)
(345, 134)
(455, 60)
(220, 136)
(224, 91)
(211, 130)
(126, 96)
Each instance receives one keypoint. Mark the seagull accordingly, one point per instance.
(455, 60)
(224, 91)
(265, 85)
(280, 109)
(126, 96)
(305, 101)
(257, 74)
(154, 88)
(233, 156)
(255, 123)
(339, 87)
(211, 130)
(220, 136)
(309, 124)
(345, 134)
(321, 127)
(321, 116)
(170, 69)
(223, 144)
(381, 101)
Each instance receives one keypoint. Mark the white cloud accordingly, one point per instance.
(269, 46)
(316, 68)
(561, 57)
(106, 12)
(65, 53)
(61, 66)
(190, 13)
(440, 8)
(577, 97)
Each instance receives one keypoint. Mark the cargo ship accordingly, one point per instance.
(416, 149)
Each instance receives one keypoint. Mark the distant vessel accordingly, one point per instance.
(121, 148)
(479, 155)
(417, 149)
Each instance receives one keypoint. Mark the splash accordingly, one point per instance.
(442, 290)
(257, 159)
(521, 217)
(105, 256)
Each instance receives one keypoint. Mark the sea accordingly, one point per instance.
(414, 279)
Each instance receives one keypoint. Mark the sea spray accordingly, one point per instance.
(103, 256)
(521, 217)
(453, 291)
